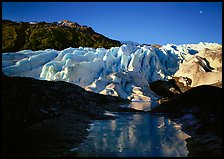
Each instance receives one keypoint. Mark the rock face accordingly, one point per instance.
(200, 112)
(124, 71)
(46, 118)
(171, 88)
(167, 88)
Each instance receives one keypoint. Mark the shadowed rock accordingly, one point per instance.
(204, 103)
(45, 118)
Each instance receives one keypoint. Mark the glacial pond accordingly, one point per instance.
(134, 134)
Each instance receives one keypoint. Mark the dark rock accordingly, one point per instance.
(183, 83)
(204, 104)
(204, 146)
(205, 97)
(203, 62)
(46, 118)
(170, 88)
(156, 46)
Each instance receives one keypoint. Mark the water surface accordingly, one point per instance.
(134, 135)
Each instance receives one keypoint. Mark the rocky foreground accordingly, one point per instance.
(43, 118)
(199, 110)
(48, 118)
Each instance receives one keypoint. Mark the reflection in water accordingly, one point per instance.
(140, 105)
(134, 134)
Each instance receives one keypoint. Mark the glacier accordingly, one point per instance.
(124, 71)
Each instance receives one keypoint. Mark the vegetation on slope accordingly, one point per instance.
(58, 36)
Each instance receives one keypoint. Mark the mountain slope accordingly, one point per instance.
(56, 35)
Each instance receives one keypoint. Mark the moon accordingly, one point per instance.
(201, 11)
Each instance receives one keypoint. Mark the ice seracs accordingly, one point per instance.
(124, 71)
(205, 67)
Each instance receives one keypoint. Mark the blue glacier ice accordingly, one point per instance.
(124, 71)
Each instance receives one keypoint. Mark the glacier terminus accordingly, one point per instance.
(124, 71)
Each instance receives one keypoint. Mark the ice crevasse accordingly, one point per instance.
(124, 71)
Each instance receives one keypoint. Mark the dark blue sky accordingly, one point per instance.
(143, 22)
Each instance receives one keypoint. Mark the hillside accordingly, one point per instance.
(59, 35)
